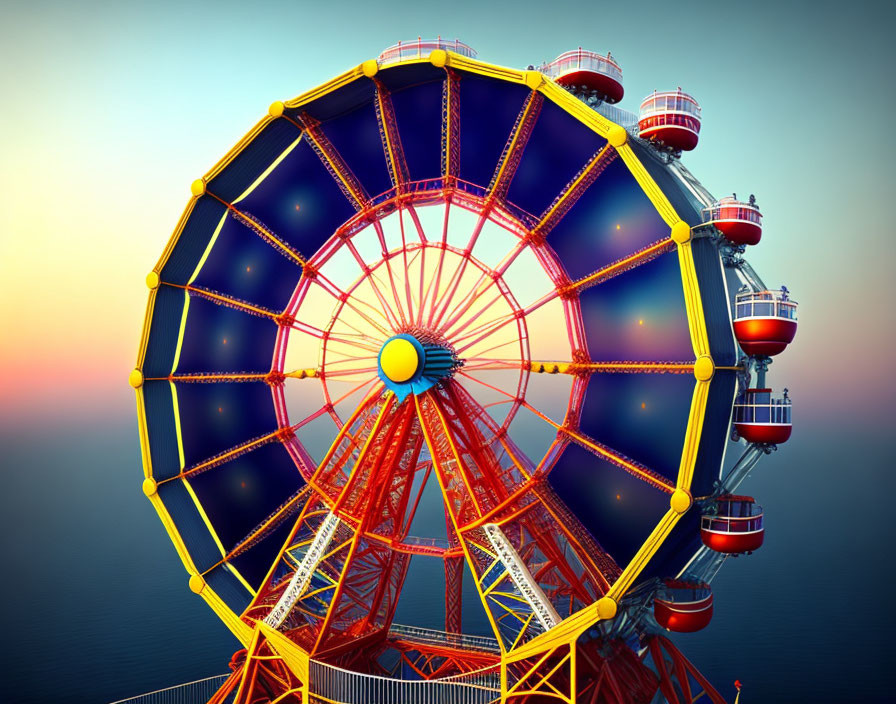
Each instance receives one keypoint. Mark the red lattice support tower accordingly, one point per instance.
(454, 582)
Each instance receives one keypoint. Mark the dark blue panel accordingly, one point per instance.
(167, 312)
(256, 561)
(587, 238)
(643, 416)
(218, 338)
(160, 429)
(418, 111)
(193, 240)
(714, 297)
(217, 417)
(242, 265)
(299, 201)
(338, 102)
(590, 486)
(558, 148)
(356, 137)
(401, 76)
(677, 550)
(199, 542)
(227, 586)
(240, 494)
(639, 315)
(716, 427)
(682, 202)
(251, 162)
(488, 111)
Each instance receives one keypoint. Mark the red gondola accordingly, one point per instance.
(740, 222)
(734, 526)
(762, 419)
(588, 69)
(683, 607)
(764, 321)
(672, 118)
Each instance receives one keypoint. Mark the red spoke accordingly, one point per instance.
(382, 238)
(438, 277)
(649, 476)
(487, 277)
(458, 274)
(368, 276)
(404, 254)
(454, 332)
(499, 323)
(322, 335)
(347, 299)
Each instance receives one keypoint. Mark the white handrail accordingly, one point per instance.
(199, 690)
(346, 687)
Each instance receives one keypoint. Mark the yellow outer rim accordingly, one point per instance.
(569, 629)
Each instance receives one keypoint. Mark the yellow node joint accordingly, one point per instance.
(276, 109)
(617, 136)
(152, 280)
(681, 500)
(150, 486)
(606, 608)
(197, 188)
(534, 79)
(197, 584)
(135, 378)
(681, 232)
(370, 67)
(704, 368)
(438, 58)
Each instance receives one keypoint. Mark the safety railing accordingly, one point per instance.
(441, 543)
(187, 693)
(680, 592)
(420, 48)
(764, 304)
(582, 60)
(730, 209)
(761, 408)
(621, 117)
(670, 102)
(452, 640)
(733, 514)
(337, 685)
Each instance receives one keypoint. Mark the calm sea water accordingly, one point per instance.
(95, 605)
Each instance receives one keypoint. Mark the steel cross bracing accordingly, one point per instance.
(485, 479)
(302, 576)
(544, 611)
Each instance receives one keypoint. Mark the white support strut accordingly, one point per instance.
(302, 577)
(541, 606)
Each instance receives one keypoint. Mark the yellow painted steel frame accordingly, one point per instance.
(565, 633)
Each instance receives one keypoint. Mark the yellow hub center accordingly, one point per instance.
(399, 360)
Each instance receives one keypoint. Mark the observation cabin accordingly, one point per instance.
(683, 607)
(671, 118)
(760, 418)
(582, 70)
(732, 525)
(764, 321)
(739, 222)
(420, 48)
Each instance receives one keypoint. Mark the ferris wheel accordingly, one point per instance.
(436, 380)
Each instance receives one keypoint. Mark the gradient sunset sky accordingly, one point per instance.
(111, 110)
